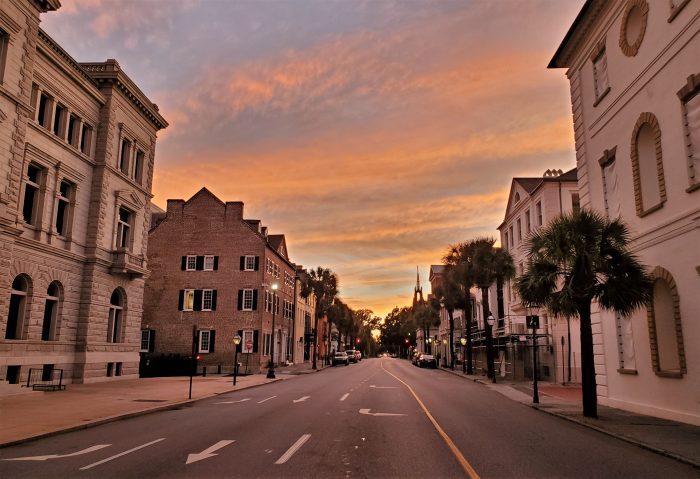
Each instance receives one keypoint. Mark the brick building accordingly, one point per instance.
(212, 277)
(77, 147)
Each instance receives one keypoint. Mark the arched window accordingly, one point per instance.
(665, 330)
(51, 311)
(647, 165)
(18, 306)
(115, 323)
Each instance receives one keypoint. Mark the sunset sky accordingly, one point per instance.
(371, 133)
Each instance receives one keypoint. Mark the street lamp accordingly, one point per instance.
(236, 342)
(463, 342)
(271, 366)
(489, 347)
(430, 345)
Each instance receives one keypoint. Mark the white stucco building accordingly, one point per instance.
(634, 70)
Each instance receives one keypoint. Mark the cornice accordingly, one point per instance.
(577, 32)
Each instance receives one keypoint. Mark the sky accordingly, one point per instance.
(372, 133)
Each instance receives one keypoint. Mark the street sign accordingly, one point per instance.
(249, 345)
(533, 322)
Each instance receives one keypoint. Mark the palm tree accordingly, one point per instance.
(449, 295)
(324, 284)
(578, 258)
(490, 265)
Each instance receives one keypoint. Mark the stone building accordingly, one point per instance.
(213, 275)
(77, 148)
(634, 72)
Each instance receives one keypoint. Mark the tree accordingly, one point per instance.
(426, 317)
(578, 258)
(450, 295)
(396, 329)
(324, 284)
(490, 265)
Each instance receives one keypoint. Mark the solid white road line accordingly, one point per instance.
(234, 402)
(345, 396)
(267, 399)
(295, 447)
(58, 456)
(121, 454)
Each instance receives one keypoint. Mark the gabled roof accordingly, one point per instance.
(279, 244)
(204, 192)
(588, 14)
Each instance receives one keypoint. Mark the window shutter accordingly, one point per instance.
(183, 265)
(216, 263)
(255, 300)
(181, 300)
(255, 341)
(212, 340)
(152, 340)
(200, 263)
(196, 343)
(240, 299)
(242, 263)
(213, 300)
(239, 348)
(197, 300)
(257, 263)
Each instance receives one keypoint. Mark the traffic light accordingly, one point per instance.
(198, 357)
(406, 340)
(357, 340)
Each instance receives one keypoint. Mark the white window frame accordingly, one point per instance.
(123, 238)
(204, 299)
(538, 213)
(194, 263)
(267, 344)
(188, 294)
(147, 338)
(247, 300)
(208, 263)
(249, 263)
(204, 333)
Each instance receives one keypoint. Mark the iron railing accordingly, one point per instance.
(46, 379)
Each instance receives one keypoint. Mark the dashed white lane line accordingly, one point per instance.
(345, 396)
(121, 454)
(292, 450)
(266, 399)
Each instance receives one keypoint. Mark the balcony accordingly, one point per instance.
(125, 262)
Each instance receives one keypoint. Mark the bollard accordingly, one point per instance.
(204, 371)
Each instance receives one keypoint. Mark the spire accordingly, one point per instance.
(417, 279)
(418, 290)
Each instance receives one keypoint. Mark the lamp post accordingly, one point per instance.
(430, 345)
(271, 366)
(236, 342)
(489, 347)
(463, 341)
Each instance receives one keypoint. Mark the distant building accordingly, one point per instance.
(77, 142)
(532, 203)
(634, 71)
(303, 321)
(435, 278)
(213, 275)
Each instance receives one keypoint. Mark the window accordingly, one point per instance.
(4, 44)
(267, 344)
(47, 372)
(206, 340)
(520, 230)
(288, 280)
(600, 74)
(43, 116)
(191, 263)
(611, 197)
(247, 300)
(124, 156)
(647, 165)
(249, 339)
(209, 263)
(538, 211)
(118, 369)
(115, 320)
(85, 139)
(148, 339)
(110, 369)
(505, 240)
(665, 328)
(249, 263)
(48, 328)
(18, 303)
(73, 130)
(575, 203)
(528, 225)
(124, 228)
(690, 106)
(187, 300)
(207, 299)
(59, 119)
(268, 301)
(33, 194)
(512, 236)
(138, 166)
(63, 203)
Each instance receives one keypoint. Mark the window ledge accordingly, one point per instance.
(693, 187)
(628, 371)
(651, 210)
(670, 374)
(125, 262)
(602, 95)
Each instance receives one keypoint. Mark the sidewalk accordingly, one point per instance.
(677, 440)
(35, 414)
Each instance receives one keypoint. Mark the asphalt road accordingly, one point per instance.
(378, 418)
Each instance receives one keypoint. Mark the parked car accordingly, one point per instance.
(415, 357)
(341, 357)
(352, 357)
(427, 360)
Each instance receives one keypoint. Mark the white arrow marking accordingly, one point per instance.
(122, 454)
(301, 399)
(345, 396)
(295, 447)
(58, 456)
(267, 399)
(382, 387)
(366, 411)
(234, 402)
(208, 452)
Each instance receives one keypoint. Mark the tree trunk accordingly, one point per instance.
(452, 339)
(499, 301)
(489, 335)
(568, 342)
(468, 314)
(588, 384)
(313, 358)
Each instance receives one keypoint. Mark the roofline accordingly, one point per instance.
(554, 62)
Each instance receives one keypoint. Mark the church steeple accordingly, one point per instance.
(418, 290)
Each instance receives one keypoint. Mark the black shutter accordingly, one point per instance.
(195, 338)
(183, 265)
(216, 263)
(213, 300)
(200, 263)
(239, 348)
(242, 263)
(255, 300)
(152, 340)
(181, 300)
(212, 340)
(240, 299)
(197, 300)
(255, 341)
(257, 263)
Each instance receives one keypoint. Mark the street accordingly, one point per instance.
(366, 420)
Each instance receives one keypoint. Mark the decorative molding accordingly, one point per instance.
(130, 198)
(627, 49)
(675, 10)
(649, 119)
(608, 157)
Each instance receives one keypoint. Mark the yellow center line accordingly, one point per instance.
(453, 447)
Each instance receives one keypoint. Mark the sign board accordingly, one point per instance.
(247, 345)
(533, 322)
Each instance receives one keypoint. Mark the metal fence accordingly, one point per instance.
(46, 378)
